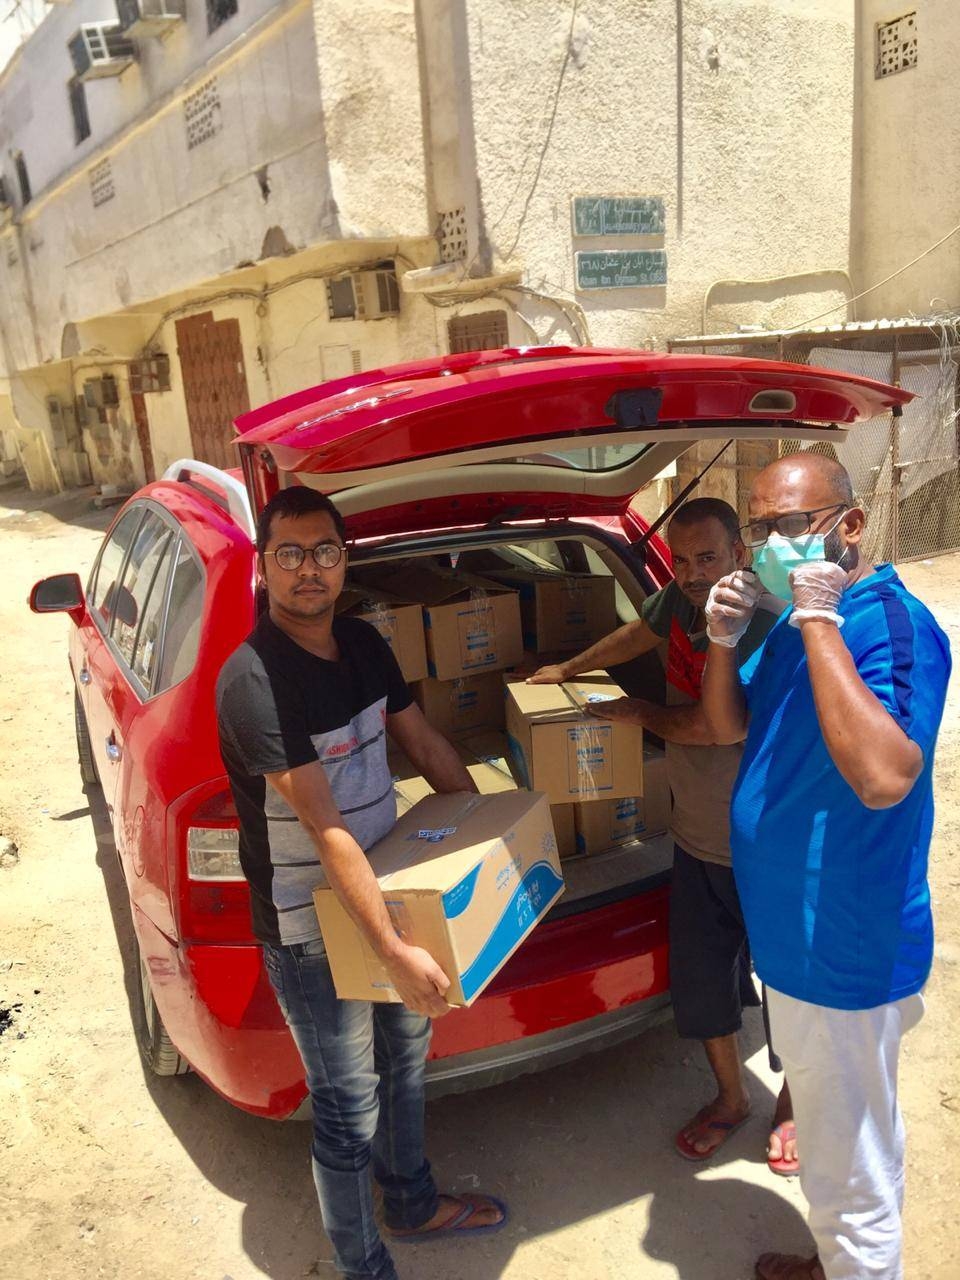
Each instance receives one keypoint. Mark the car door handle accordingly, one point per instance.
(84, 677)
(114, 750)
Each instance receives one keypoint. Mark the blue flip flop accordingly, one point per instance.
(456, 1223)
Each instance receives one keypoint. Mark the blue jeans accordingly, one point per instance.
(364, 1065)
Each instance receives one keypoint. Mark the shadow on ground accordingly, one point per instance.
(562, 1147)
(22, 509)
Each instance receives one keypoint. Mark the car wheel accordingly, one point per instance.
(88, 768)
(156, 1048)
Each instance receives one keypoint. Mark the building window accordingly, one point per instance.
(218, 11)
(341, 299)
(22, 177)
(78, 109)
(482, 332)
(896, 46)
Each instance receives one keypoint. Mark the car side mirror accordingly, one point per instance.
(63, 593)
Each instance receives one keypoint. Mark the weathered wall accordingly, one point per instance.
(907, 189)
(745, 132)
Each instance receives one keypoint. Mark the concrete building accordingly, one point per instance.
(206, 206)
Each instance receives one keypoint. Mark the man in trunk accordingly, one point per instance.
(709, 958)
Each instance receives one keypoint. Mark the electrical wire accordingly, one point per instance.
(892, 276)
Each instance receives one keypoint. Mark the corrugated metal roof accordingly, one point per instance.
(901, 323)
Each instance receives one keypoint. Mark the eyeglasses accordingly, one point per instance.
(792, 525)
(291, 556)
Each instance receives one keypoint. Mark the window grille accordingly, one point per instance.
(101, 183)
(202, 113)
(453, 235)
(896, 45)
(482, 332)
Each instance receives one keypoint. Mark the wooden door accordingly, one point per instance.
(214, 385)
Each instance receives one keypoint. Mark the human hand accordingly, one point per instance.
(817, 588)
(730, 607)
(419, 981)
(555, 674)
(614, 709)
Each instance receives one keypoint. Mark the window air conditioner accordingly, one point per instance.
(100, 49)
(377, 294)
(143, 18)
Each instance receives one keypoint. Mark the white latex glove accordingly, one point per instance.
(730, 606)
(817, 588)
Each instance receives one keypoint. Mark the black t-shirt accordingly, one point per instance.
(280, 707)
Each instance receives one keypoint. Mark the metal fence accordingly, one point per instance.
(905, 469)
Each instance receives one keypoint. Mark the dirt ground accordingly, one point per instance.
(109, 1173)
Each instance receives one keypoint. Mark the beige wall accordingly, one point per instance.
(746, 135)
(907, 190)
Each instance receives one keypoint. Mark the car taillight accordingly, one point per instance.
(214, 899)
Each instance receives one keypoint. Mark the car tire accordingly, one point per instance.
(88, 767)
(156, 1048)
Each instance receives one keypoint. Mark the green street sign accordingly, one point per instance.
(621, 268)
(618, 216)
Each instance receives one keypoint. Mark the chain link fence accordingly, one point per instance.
(905, 469)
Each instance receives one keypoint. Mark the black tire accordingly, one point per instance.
(88, 767)
(156, 1048)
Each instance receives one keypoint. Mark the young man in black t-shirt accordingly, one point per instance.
(304, 707)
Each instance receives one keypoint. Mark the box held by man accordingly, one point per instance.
(464, 876)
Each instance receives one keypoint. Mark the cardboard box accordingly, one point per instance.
(566, 612)
(561, 750)
(609, 824)
(399, 622)
(463, 705)
(565, 829)
(471, 624)
(465, 877)
(486, 759)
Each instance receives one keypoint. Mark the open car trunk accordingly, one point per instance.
(555, 553)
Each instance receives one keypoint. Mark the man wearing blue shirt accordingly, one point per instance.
(831, 820)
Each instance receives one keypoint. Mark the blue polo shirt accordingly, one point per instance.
(834, 894)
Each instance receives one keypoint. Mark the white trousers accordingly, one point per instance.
(842, 1070)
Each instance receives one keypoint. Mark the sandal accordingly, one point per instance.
(685, 1147)
(457, 1223)
(785, 1131)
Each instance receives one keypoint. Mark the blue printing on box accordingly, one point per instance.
(518, 759)
(456, 900)
(539, 886)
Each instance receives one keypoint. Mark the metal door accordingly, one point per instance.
(214, 384)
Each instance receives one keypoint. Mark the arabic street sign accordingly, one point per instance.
(621, 269)
(618, 216)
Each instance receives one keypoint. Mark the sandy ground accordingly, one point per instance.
(107, 1172)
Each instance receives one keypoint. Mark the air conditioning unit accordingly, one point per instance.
(144, 18)
(377, 293)
(100, 49)
(101, 393)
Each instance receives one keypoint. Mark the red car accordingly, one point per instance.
(514, 457)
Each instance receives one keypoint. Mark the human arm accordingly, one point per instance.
(429, 750)
(414, 974)
(629, 641)
(685, 724)
(870, 749)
